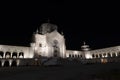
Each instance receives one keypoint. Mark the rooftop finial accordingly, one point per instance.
(84, 43)
(84, 46)
(37, 31)
(62, 33)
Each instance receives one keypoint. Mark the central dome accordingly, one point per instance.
(47, 28)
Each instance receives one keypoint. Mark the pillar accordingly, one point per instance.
(102, 55)
(98, 55)
(10, 62)
(111, 54)
(18, 62)
(4, 55)
(2, 63)
(11, 55)
(116, 54)
(106, 55)
(18, 55)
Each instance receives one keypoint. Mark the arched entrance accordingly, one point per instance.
(6, 64)
(56, 50)
(14, 63)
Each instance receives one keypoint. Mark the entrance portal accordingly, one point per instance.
(56, 51)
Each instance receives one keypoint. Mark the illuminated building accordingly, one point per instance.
(49, 43)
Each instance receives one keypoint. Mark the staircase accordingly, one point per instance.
(50, 61)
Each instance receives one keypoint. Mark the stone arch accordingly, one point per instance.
(1, 54)
(100, 55)
(96, 55)
(14, 63)
(108, 55)
(21, 55)
(93, 56)
(104, 54)
(6, 64)
(14, 55)
(70, 55)
(8, 54)
(75, 56)
(113, 55)
(81, 56)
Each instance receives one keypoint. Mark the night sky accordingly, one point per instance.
(97, 23)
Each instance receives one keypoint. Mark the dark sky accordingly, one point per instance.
(97, 23)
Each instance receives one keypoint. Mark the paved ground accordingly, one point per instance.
(110, 71)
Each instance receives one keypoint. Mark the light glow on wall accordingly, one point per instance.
(88, 56)
(67, 55)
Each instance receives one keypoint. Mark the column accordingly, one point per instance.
(10, 62)
(110, 54)
(18, 62)
(2, 63)
(4, 55)
(116, 54)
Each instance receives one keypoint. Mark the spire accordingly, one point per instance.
(62, 33)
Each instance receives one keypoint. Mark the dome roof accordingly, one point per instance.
(47, 28)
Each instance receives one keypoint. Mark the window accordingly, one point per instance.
(40, 45)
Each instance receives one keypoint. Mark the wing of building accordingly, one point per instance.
(48, 42)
